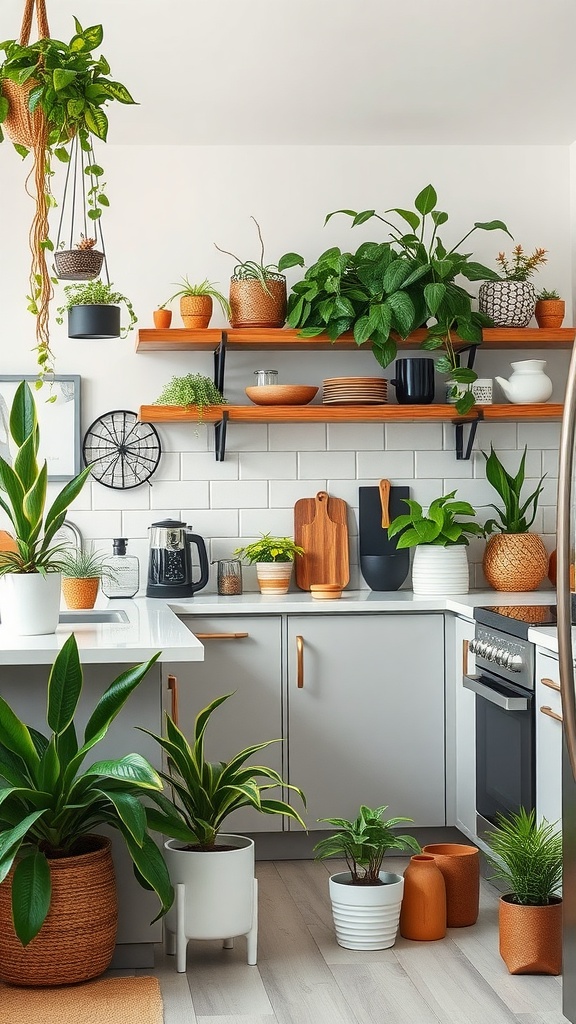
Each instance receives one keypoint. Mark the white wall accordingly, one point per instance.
(168, 205)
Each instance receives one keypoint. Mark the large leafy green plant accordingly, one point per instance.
(388, 289)
(23, 491)
(516, 516)
(205, 793)
(364, 842)
(528, 857)
(440, 526)
(48, 803)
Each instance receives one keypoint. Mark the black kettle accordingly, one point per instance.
(170, 563)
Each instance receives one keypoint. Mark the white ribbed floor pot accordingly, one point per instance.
(216, 895)
(440, 570)
(366, 916)
(30, 602)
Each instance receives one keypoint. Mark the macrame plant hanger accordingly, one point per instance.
(80, 260)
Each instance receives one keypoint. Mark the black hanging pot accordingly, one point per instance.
(95, 322)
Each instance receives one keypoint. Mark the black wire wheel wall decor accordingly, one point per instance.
(122, 451)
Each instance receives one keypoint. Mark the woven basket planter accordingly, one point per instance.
(550, 313)
(252, 306)
(531, 937)
(507, 303)
(21, 127)
(80, 593)
(196, 311)
(78, 264)
(76, 941)
(515, 561)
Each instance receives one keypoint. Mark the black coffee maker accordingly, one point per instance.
(170, 563)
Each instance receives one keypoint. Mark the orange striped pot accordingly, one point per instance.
(531, 937)
(274, 577)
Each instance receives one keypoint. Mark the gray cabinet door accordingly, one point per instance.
(366, 726)
(250, 667)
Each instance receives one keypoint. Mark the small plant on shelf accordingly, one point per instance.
(547, 295)
(550, 309)
(193, 389)
(364, 842)
(520, 266)
(270, 549)
(205, 289)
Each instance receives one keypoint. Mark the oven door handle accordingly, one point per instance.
(475, 684)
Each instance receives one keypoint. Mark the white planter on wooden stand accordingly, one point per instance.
(366, 916)
(440, 570)
(216, 895)
(30, 602)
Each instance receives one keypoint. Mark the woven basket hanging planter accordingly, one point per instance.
(515, 561)
(253, 306)
(22, 127)
(77, 940)
(78, 264)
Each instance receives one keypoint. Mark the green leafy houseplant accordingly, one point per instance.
(515, 515)
(389, 289)
(96, 293)
(528, 858)
(520, 266)
(270, 549)
(439, 527)
(206, 793)
(193, 389)
(23, 492)
(364, 842)
(258, 270)
(48, 804)
(205, 287)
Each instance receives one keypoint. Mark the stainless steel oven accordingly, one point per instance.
(505, 722)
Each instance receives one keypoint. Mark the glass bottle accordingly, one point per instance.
(123, 576)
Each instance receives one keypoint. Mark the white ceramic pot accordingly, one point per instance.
(440, 570)
(528, 383)
(216, 894)
(30, 602)
(366, 916)
(274, 577)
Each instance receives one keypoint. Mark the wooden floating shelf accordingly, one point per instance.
(180, 339)
(345, 414)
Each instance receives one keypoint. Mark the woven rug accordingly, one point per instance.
(104, 1001)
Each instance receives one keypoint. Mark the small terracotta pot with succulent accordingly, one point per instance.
(550, 309)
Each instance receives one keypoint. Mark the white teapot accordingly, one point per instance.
(528, 383)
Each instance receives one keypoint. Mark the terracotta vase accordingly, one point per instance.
(460, 866)
(515, 561)
(162, 318)
(196, 311)
(531, 937)
(549, 313)
(423, 913)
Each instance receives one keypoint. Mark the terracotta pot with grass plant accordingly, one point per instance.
(273, 558)
(196, 303)
(82, 570)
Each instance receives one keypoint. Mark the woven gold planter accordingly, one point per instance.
(76, 941)
(252, 306)
(22, 127)
(80, 593)
(515, 561)
(196, 311)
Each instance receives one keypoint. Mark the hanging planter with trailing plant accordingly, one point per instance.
(94, 311)
(51, 92)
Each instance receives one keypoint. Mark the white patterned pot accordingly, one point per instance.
(366, 916)
(30, 602)
(507, 303)
(274, 577)
(440, 570)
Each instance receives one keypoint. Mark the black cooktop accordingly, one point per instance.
(515, 618)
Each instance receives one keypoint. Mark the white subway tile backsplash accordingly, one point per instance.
(239, 494)
(501, 435)
(549, 495)
(203, 466)
(285, 493)
(436, 465)
(511, 462)
(550, 462)
(412, 436)
(359, 437)
(539, 435)
(168, 467)
(212, 522)
(98, 525)
(478, 492)
(111, 498)
(550, 519)
(181, 494)
(268, 466)
(135, 524)
(294, 437)
(279, 522)
(247, 437)
(186, 437)
(384, 464)
(335, 465)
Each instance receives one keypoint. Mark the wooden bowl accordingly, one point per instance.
(281, 394)
(325, 591)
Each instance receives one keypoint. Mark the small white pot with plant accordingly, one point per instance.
(366, 901)
(440, 564)
(273, 558)
(30, 577)
(94, 311)
(212, 872)
(196, 303)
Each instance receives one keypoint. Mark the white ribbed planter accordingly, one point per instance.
(366, 916)
(216, 895)
(274, 577)
(439, 570)
(30, 602)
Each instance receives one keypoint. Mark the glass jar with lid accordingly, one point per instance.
(266, 377)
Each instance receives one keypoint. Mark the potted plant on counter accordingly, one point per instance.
(273, 558)
(82, 570)
(528, 858)
(366, 901)
(510, 299)
(213, 873)
(550, 309)
(440, 563)
(196, 303)
(30, 577)
(94, 311)
(57, 893)
(515, 558)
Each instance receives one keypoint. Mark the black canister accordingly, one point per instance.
(414, 381)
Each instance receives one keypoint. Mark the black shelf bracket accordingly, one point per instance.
(464, 452)
(220, 436)
(220, 363)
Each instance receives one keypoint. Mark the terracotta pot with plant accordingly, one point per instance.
(162, 317)
(440, 564)
(274, 559)
(196, 303)
(550, 309)
(58, 907)
(510, 300)
(515, 558)
(528, 859)
(365, 900)
(94, 311)
(213, 873)
(82, 570)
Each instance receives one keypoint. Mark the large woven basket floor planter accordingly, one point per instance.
(366, 916)
(515, 561)
(530, 937)
(76, 941)
(252, 305)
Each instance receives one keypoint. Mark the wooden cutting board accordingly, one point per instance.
(321, 528)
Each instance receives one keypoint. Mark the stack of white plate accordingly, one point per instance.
(354, 390)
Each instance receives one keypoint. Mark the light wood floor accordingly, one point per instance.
(304, 977)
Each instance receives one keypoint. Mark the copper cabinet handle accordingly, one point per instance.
(300, 662)
(551, 714)
(220, 636)
(173, 687)
(551, 684)
(465, 652)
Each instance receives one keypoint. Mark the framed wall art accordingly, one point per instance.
(59, 421)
